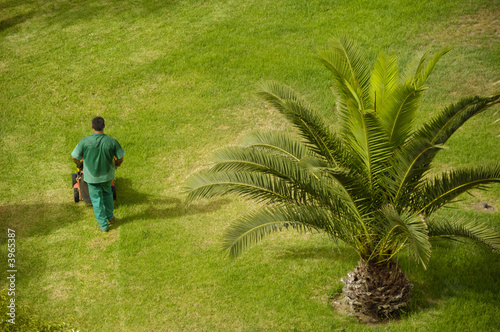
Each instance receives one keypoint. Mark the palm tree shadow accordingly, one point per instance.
(446, 277)
(327, 252)
(474, 275)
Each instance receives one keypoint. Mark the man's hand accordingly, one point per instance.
(118, 162)
(78, 163)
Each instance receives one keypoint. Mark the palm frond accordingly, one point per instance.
(351, 78)
(370, 144)
(399, 111)
(471, 230)
(243, 159)
(422, 74)
(310, 125)
(350, 71)
(384, 80)
(407, 168)
(279, 142)
(439, 129)
(267, 178)
(256, 186)
(352, 185)
(399, 114)
(254, 227)
(417, 72)
(240, 160)
(414, 159)
(413, 67)
(405, 227)
(445, 188)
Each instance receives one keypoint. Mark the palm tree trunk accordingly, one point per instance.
(376, 292)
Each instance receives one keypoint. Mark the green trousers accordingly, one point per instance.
(101, 196)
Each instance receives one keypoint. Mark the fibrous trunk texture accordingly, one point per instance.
(376, 292)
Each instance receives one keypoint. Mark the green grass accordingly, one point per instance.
(176, 80)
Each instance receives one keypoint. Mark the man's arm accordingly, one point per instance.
(118, 162)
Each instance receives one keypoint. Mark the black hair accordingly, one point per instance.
(98, 123)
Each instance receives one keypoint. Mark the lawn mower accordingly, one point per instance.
(81, 189)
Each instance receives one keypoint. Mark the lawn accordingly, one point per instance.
(176, 80)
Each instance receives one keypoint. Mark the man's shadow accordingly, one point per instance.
(127, 195)
(42, 218)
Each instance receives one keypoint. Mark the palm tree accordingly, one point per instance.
(367, 184)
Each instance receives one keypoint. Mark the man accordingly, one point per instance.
(97, 152)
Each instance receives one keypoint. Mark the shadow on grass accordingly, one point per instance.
(38, 219)
(156, 208)
(463, 270)
(35, 219)
(168, 208)
(68, 13)
(127, 195)
(328, 252)
(13, 21)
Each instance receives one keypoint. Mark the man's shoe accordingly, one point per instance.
(111, 221)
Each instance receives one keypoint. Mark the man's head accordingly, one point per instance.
(98, 123)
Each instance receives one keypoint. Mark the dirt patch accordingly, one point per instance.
(484, 207)
(103, 240)
(483, 26)
(342, 307)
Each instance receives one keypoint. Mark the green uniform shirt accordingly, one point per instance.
(97, 151)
